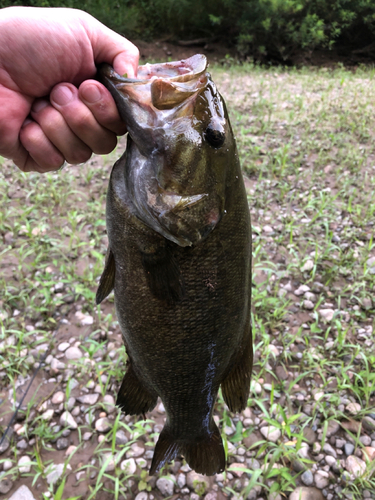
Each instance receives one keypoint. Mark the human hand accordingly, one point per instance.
(44, 55)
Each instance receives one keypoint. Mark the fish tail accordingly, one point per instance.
(205, 455)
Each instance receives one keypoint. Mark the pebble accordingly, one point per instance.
(307, 304)
(327, 314)
(55, 472)
(355, 466)
(67, 420)
(301, 290)
(24, 464)
(73, 353)
(58, 398)
(327, 448)
(110, 460)
(271, 433)
(23, 493)
(321, 479)
(84, 319)
(62, 443)
(353, 408)
(63, 346)
(332, 428)
(48, 415)
(102, 424)
(129, 466)
(368, 423)
(308, 266)
(141, 462)
(142, 495)
(88, 399)
(135, 451)
(348, 448)
(5, 485)
(307, 478)
(56, 366)
(121, 437)
(368, 453)
(193, 478)
(7, 465)
(181, 480)
(303, 493)
(22, 445)
(165, 486)
(87, 436)
(109, 403)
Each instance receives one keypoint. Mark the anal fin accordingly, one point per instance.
(107, 279)
(133, 398)
(236, 386)
(205, 454)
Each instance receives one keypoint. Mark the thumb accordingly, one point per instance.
(112, 48)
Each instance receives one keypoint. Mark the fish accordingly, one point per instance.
(179, 257)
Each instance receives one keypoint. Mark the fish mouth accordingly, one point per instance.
(165, 202)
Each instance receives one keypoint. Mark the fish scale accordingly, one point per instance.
(181, 272)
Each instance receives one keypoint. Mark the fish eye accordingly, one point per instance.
(214, 137)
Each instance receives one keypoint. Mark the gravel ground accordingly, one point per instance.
(305, 139)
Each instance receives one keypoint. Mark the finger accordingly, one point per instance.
(111, 47)
(99, 100)
(59, 133)
(64, 98)
(43, 156)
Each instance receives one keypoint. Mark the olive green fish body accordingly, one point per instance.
(179, 261)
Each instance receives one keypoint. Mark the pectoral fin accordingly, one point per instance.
(163, 275)
(133, 398)
(236, 385)
(107, 279)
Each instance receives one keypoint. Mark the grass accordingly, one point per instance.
(305, 138)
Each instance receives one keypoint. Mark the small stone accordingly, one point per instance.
(321, 479)
(318, 395)
(368, 423)
(181, 480)
(271, 433)
(135, 451)
(193, 478)
(88, 399)
(365, 440)
(71, 403)
(110, 460)
(327, 448)
(24, 464)
(327, 314)
(62, 443)
(70, 450)
(142, 495)
(303, 493)
(67, 420)
(330, 460)
(355, 466)
(353, 408)
(165, 486)
(237, 469)
(366, 303)
(22, 445)
(121, 437)
(332, 428)
(7, 465)
(309, 435)
(141, 462)
(301, 290)
(349, 449)
(23, 493)
(102, 425)
(5, 485)
(129, 466)
(87, 436)
(55, 471)
(56, 366)
(109, 403)
(308, 266)
(307, 478)
(84, 319)
(73, 353)
(368, 453)
(63, 346)
(48, 415)
(307, 304)
(58, 398)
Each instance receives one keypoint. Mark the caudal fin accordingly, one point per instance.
(205, 455)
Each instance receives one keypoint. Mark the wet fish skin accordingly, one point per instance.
(181, 270)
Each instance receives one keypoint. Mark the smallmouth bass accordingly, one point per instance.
(179, 257)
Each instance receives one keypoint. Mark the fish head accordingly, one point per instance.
(181, 146)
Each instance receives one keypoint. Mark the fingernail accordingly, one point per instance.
(39, 104)
(26, 122)
(61, 95)
(91, 93)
